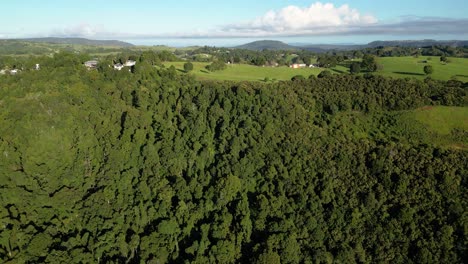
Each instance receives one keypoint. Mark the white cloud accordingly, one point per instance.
(318, 19)
(292, 20)
(86, 30)
(81, 30)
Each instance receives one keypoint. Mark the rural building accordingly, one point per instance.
(118, 66)
(129, 63)
(298, 65)
(14, 72)
(92, 64)
(2, 72)
(37, 66)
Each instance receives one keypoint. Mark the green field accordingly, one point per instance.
(444, 126)
(244, 72)
(442, 119)
(398, 67)
(401, 67)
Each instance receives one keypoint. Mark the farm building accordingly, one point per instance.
(91, 64)
(129, 63)
(298, 65)
(118, 66)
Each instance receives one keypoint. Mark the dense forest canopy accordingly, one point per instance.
(153, 166)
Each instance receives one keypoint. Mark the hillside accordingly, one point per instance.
(319, 48)
(267, 44)
(327, 47)
(152, 166)
(80, 41)
(43, 46)
(379, 43)
(418, 43)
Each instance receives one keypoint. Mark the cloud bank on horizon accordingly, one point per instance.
(292, 20)
(318, 19)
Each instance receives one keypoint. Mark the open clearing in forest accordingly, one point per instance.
(442, 119)
(445, 125)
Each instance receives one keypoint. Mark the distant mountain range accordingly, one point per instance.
(278, 45)
(266, 44)
(80, 41)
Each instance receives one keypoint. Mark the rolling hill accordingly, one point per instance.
(278, 45)
(417, 43)
(80, 41)
(267, 44)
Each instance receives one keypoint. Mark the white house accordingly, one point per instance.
(298, 65)
(14, 72)
(37, 66)
(2, 72)
(129, 63)
(118, 66)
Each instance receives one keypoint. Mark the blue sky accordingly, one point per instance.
(208, 22)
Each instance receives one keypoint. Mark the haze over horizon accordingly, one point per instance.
(208, 22)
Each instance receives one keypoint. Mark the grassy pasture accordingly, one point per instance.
(401, 67)
(244, 72)
(442, 119)
(443, 126)
(397, 67)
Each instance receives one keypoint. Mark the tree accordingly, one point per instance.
(259, 61)
(444, 59)
(327, 61)
(268, 258)
(357, 54)
(188, 66)
(369, 63)
(297, 60)
(428, 70)
(324, 74)
(297, 78)
(355, 68)
(307, 60)
(216, 66)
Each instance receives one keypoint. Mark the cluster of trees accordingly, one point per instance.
(329, 61)
(156, 167)
(258, 58)
(428, 70)
(76, 60)
(216, 66)
(188, 66)
(368, 63)
(21, 47)
(461, 52)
